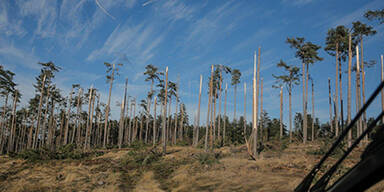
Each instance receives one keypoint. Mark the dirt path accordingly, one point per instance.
(147, 183)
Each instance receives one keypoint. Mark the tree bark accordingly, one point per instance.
(281, 113)
(304, 106)
(349, 88)
(65, 141)
(313, 113)
(254, 109)
(165, 112)
(360, 126)
(363, 89)
(34, 145)
(208, 111)
(245, 110)
(261, 110)
(225, 114)
(106, 130)
(337, 92)
(330, 104)
(196, 136)
(88, 129)
(154, 122)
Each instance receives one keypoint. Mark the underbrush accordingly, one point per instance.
(325, 146)
(64, 152)
(205, 158)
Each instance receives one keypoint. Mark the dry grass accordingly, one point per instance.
(182, 169)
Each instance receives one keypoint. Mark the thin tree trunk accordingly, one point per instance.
(165, 112)
(106, 131)
(43, 128)
(91, 121)
(141, 129)
(50, 127)
(3, 124)
(341, 97)
(245, 110)
(219, 117)
(281, 113)
(382, 90)
(363, 87)
(182, 120)
(254, 108)
(148, 115)
(208, 111)
(330, 105)
(313, 113)
(34, 145)
(304, 108)
(154, 122)
(175, 130)
(225, 113)
(13, 126)
(88, 129)
(349, 88)
(337, 92)
(214, 118)
(68, 118)
(234, 103)
(196, 136)
(78, 120)
(169, 130)
(360, 126)
(290, 114)
(121, 123)
(261, 110)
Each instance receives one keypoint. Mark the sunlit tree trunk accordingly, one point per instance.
(245, 110)
(43, 128)
(337, 91)
(261, 110)
(363, 89)
(88, 129)
(154, 122)
(208, 111)
(196, 136)
(122, 115)
(349, 88)
(225, 113)
(219, 116)
(164, 140)
(254, 109)
(175, 129)
(106, 130)
(12, 132)
(330, 104)
(78, 120)
(3, 124)
(182, 122)
(358, 98)
(34, 145)
(313, 113)
(65, 141)
(281, 113)
(382, 90)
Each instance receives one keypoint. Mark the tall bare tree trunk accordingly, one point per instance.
(148, 114)
(164, 140)
(122, 115)
(337, 92)
(78, 120)
(51, 130)
(154, 122)
(304, 106)
(209, 109)
(382, 90)
(4, 122)
(12, 135)
(43, 128)
(91, 121)
(254, 109)
(219, 116)
(106, 130)
(196, 136)
(245, 110)
(177, 103)
(349, 88)
(330, 104)
(290, 113)
(34, 145)
(30, 134)
(65, 141)
(225, 113)
(358, 98)
(363, 90)
(261, 110)
(182, 121)
(88, 129)
(281, 113)
(313, 113)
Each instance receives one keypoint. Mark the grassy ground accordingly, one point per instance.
(182, 169)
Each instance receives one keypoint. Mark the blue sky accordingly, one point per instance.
(187, 36)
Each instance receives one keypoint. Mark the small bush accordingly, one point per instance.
(208, 158)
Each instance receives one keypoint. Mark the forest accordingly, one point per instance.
(155, 143)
